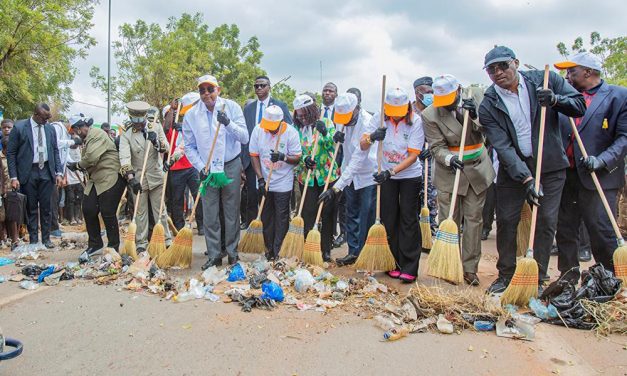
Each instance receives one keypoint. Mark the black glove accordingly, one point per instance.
(177, 126)
(382, 176)
(261, 187)
(135, 185)
(425, 154)
(471, 107)
(456, 164)
(223, 119)
(202, 176)
(593, 163)
(338, 137)
(152, 137)
(309, 162)
(167, 165)
(321, 127)
(546, 97)
(72, 166)
(327, 196)
(532, 197)
(276, 156)
(378, 135)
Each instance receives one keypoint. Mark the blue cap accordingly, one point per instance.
(498, 54)
(426, 80)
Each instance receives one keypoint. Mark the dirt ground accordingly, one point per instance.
(79, 328)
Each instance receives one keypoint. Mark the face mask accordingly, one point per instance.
(427, 99)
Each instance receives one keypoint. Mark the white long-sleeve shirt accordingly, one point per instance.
(64, 141)
(358, 165)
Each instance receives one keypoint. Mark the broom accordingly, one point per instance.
(122, 201)
(620, 254)
(522, 232)
(425, 221)
(376, 254)
(252, 240)
(294, 241)
(524, 283)
(173, 228)
(444, 260)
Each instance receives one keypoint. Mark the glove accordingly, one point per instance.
(532, 197)
(338, 137)
(593, 163)
(202, 176)
(456, 164)
(425, 154)
(310, 163)
(167, 165)
(72, 166)
(382, 176)
(327, 196)
(135, 185)
(177, 126)
(261, 187)
(223, 119)
(276, 156)
(378, 135)
(546, 97)
(321, 127)
(471, 107)
(152, 137)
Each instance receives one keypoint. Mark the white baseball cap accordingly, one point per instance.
(345, 104)
(584, 59)
(165, 110)
(272, 117)
(396, 102)
(208, 79)
(302, 101)
(188, 101)
(444, 90)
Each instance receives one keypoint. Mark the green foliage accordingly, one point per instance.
(39, 40)
(285, 93)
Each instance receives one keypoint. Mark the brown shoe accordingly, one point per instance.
(471, 279)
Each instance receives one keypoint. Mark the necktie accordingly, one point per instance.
(326, 113)
(260, 112)
(40, 146)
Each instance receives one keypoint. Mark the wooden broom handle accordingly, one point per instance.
(302, 198)
(424, 195)
(534, 208)
(276, 148)
(120, 204)
(328, 180)
(458, 172)
(597, 184)
(380, 150)
(141, 176)
(165, 177)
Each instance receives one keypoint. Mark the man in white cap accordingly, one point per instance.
(603, 130)
(356, 180)
(442, 122)
(211, 116)
(278, 190)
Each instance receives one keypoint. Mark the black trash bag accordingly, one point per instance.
(32, 270)
(257, 280)
(598, 284)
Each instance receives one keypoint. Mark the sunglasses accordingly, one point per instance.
(137, 120)
(209, 89)
(260, 86)
(502, 65)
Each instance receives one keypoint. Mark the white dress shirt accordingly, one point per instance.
(519, 109)
(35, 130)
(64, 141)
(330, 109)
(265, 102)
(358, 165)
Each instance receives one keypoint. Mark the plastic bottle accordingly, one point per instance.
(384, 323)
(483, 326)
(394, 334)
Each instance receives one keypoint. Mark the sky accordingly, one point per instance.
(353, 43)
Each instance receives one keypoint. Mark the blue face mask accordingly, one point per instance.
(427, 99)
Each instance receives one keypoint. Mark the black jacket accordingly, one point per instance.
(501, 133)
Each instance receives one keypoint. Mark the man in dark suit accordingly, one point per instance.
(510, 115)
(603, 130)
(34, 168)
(253, 113)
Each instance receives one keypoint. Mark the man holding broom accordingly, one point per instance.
(510, 115)
(442, 123)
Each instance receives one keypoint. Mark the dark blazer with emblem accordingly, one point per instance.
(20, 151)
(603, 131)
(250, 116)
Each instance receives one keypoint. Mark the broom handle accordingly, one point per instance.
(424, 195)
(141, 176)
(597, 184)
(458, 172)
(302, 198)
(120, 204)
(328, 180)
(276, 148)
(78, 178)
(380, 150)
(165, 178)
(534, 208)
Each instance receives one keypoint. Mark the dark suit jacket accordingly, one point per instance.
(603, 131)
(250, 116)
(501, 133)
(20, 151)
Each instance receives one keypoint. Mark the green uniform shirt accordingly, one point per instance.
(323, 156)
(100, 159)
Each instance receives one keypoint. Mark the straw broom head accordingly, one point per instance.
(444, 260)
(294, 242)
(524, 283)
(157, 242)
(129, 248)
(524, 227)
(425, 228)
(376, 254)
(252, 240)
(312, 253)
(620, 263)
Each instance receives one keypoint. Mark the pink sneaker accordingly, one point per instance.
(407, 278)
(394, 273)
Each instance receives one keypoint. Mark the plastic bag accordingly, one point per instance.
(6, 261)
(272, 291)
(303, 280)
(46, 272)
(237, 273)
(213, 276)
(542, 311)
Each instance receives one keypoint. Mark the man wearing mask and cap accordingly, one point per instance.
(443, 129)
(210, 116)
(133, 143)
(510, 115)
(103, 191)
(603, 131)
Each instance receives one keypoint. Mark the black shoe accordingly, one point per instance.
(584, 255)
(201, 231)
(485, 234)
(85, 256)
(140, 250)
(212, 262)
(233, 260)
(339, 241)
(498, 286)
(48, 244)
(270, 257)
(346, 260)
(471, 279)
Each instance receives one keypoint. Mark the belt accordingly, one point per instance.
(37, 164)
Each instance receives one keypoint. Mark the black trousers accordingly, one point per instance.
(489, 208)
(275, 217)
(38, 191)
(54, 209)
(310, 209)
(251, 199)
(73, 198)
(400, 200)
(511, 195)
(106, 203)
(178, 181)
(580, 203)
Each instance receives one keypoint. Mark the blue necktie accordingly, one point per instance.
(326, 113)
(260, 112)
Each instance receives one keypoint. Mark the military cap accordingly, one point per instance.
(137, 108)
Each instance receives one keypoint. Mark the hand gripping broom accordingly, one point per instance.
(425, 221)
(252, 240)
(524, 283)
(376, 254)
(620, 254)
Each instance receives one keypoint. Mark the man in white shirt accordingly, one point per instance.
(64, 141)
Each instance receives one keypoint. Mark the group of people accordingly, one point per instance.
(332, 155)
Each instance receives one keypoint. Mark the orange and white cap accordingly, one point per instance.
(396, 103)
(208, 79)
(272, 117)
(444, 90)
(584, 59)
(188, 101)
(345, 104)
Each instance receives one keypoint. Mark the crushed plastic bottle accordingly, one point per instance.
(384, 323)
(394, 334)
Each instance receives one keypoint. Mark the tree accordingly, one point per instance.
(611, 51)
(284, 92)
(39, 40)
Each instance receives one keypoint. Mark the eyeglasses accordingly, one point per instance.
(137, 120)
(502, 65)
(259, 86)
(209, 89)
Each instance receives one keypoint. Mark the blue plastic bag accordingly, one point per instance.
(45, 273)
(237, 273)
(272, 291)
(4, 260)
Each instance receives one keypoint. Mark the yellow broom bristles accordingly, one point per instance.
(129, 247)
(294, 242)
(376, 254)
(425, 228)
(180, 252)
(524, 227)
(312, 253)
(620, 263)
(524, 283)
(157, 242)
(252, 240)
(444, 260)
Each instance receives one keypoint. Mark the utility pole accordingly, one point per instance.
(320, 73)
(109, 69)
